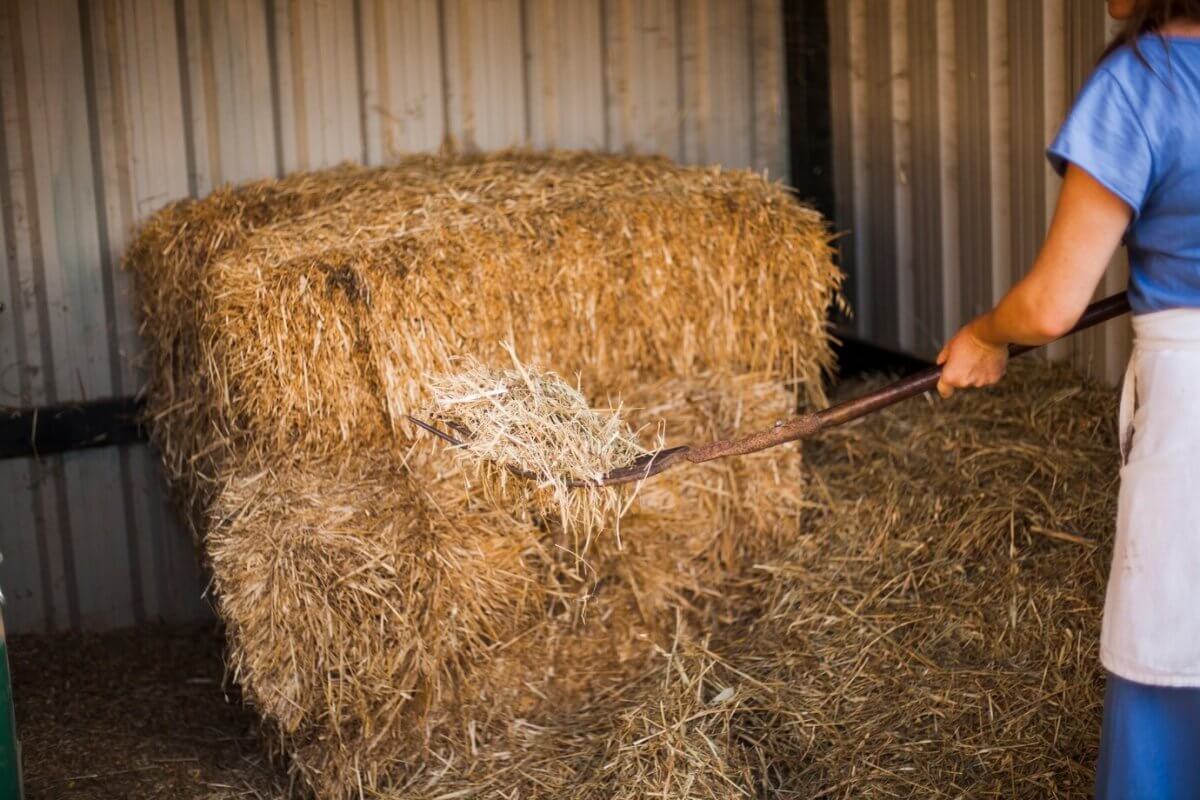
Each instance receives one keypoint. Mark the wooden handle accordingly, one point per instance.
(808, 424)
(927, 379)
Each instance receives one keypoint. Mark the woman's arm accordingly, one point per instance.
(1088, 223)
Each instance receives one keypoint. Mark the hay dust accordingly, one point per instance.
(524, 420)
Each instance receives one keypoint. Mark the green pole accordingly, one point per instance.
(10, 753)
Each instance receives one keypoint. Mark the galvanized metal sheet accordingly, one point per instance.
(113, 109)
(941, 114)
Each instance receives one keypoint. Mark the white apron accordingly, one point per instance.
(1151, 627)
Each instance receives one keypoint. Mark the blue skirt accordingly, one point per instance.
(1149, 742)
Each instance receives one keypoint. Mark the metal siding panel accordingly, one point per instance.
(374, 39)
(103, 573)
(731, 132)
(566, 73)
(879, 184)
(152, 57)
(55, 90)
(925, 175)
(290, 96)
(718, 81)
(900, 77)
(15, 366)
(66, 202)
(100, 116)
(1026, 109)
(48, 194)
(237, 88)
(485, 70)
(21, 532)
(109, 147)
(71, 242)
(23, 256)
(306, 81)
(999, 141)
(948, 149)
(341, 95)
(261, 148)
(405, 103)
(21, 576)
(201, 94)
(767, 58)
(974, 163)
(646, 60)
(110, 114)
(988, 85)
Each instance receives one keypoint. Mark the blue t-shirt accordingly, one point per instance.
(1136, 129)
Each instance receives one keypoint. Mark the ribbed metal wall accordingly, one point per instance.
(941, 112)
(111, 109)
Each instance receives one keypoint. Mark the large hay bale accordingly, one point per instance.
(299, 316)
(381, 617)
(374, 619)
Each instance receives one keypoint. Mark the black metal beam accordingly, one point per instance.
(810, 140)
(28, 432)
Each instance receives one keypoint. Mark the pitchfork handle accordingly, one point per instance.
(927, 379)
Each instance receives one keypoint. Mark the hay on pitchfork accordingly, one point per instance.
(526, 419)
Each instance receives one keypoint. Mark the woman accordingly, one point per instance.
(1129, 153)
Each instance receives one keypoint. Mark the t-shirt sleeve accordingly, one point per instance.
(1104, 137)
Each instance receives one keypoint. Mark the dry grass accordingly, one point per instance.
(300, 317)
(390, 626)
(524, 419)
(932, 632)
(913, 614)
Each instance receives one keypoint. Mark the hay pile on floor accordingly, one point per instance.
(931, 632)
(389, 624)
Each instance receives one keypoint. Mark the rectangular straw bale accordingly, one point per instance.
(689, 527)
(357, 602)
(408, 584)
(304, 323)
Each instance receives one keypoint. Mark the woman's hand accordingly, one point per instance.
(968, 360)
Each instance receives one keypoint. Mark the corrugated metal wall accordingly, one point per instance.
(111, 109)
(941, 110)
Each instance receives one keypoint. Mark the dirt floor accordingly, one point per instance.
(134, 714)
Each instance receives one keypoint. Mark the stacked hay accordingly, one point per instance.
(393, 628)
(932, 632)
(297, 316)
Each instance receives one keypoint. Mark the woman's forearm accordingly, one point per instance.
(1047, 302)
(1026, 315)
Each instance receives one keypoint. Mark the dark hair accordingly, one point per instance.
(1149, 16)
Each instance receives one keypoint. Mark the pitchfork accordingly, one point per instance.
(798, 427)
